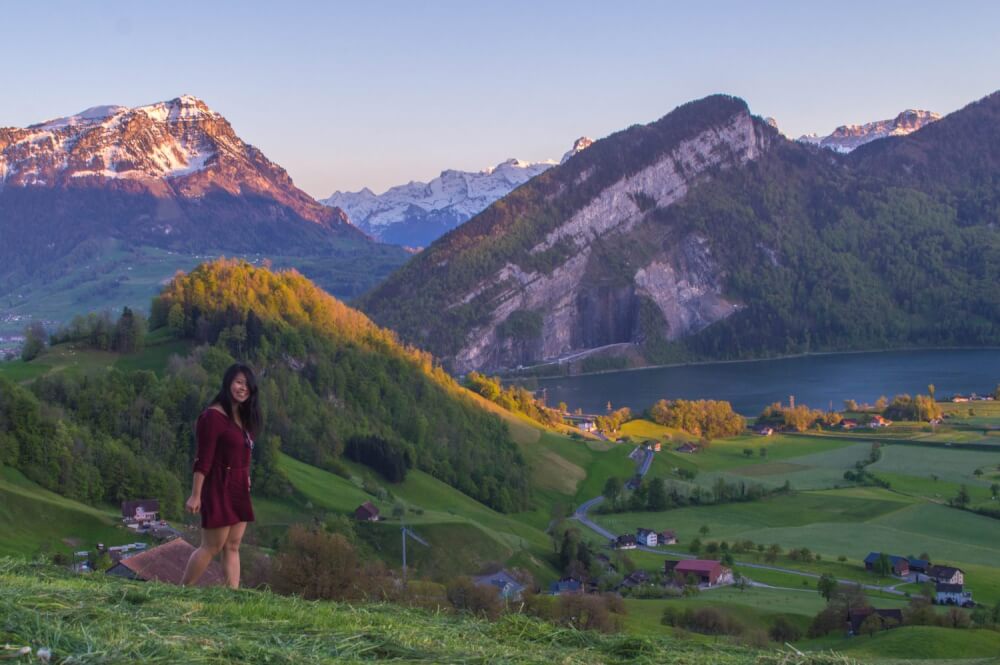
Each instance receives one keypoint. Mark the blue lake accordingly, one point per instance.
(816, 380)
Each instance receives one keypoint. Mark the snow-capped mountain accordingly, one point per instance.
(848, 137)
(416, 213)
(172, 175)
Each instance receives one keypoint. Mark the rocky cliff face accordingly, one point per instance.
(682, 280)
(576, 276)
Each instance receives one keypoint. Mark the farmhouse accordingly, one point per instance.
(765, 431)
(634, 579)
(165, 563)
(887, 619)
(656, 447)
(624, 542)
(687, 448)
(900, 565)
(918, 566)
(946, 575)
(708, 572)
(566, 585)
(848, 423)
(588, 426)
(140, 512)
(647, 537)
(119, 552)
(666, 538)
(879, 421)
(366, 512)
(505, 583)
(952, 594)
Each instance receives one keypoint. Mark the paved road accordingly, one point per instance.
(580, 515)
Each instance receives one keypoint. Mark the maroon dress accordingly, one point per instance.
(224, 457)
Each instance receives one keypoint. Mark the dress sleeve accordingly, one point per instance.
(206, 434)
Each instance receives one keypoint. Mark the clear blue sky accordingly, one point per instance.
(345, 95)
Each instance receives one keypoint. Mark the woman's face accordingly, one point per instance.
(238, 389)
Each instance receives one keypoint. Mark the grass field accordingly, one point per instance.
(919, 643)
(954, 465)
(463, 533)
(34, 519)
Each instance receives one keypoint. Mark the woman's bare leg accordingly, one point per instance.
(212, 542)
(231, 554)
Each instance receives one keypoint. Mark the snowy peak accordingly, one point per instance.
(416, 213)
(178, 149)
(579, 145)
(848, 137)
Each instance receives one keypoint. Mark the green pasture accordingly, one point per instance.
(917, 644)
(34, 519)
(465, 533)
(950, 464)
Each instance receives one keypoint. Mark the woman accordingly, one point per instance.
(221, 487)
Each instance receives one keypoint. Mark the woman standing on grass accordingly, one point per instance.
(221, 487)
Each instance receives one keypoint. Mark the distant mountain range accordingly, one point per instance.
(707, 234)
(417, 213)
(848, 137)
(172, 175)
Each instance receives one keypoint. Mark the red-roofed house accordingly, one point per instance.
(165, 563)
(707, 571)
(366, 512)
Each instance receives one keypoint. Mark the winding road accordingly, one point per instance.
(581, 516)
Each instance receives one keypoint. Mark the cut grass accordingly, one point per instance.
(918, 643)
(100, 618)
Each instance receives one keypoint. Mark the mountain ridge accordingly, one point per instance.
(416, 213)
(707, 234)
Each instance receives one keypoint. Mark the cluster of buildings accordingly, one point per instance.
(972, 398)
(877, 422)
(644, 537)
(949, 582)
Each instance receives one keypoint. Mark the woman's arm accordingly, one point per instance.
(193, 504)
(206, 435)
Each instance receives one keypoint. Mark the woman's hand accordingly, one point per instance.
(193, 504)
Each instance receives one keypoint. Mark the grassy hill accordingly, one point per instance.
(33, 519)
(83, 618)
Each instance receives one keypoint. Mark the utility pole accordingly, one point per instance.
(406, 531)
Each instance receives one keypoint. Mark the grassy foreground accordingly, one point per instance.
(97, 619)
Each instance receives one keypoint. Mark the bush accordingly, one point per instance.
(466, 596)
(782, 630)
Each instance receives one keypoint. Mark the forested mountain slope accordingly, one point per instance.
(332, 383)
(706, 234)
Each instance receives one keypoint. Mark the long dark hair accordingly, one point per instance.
(249, 412)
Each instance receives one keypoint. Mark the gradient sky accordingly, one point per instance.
(346, 95)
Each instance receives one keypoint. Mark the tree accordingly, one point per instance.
(883, 565)
(762, 452)
(748, 452)
(703, 530)
(826, 586)
(784, 631)
(657, 498)
(773, 552)
(695, 546)
(961, 499)
(34, 341)
(612, 490)
(995, 490)
(931, 390)
(871, 625)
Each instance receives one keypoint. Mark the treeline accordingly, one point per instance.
(709, 419)
(98, 331)
(332, 375)
(515, 399)
(799, 418)
(659, 494)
